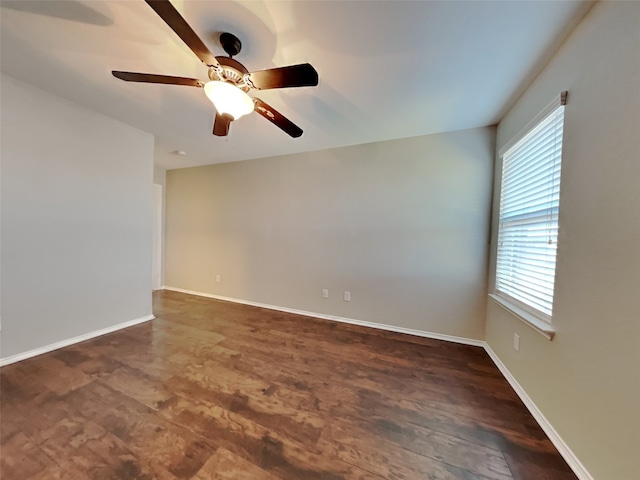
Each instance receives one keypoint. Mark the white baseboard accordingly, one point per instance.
(65, 343)
(566, 452)
(379, 326)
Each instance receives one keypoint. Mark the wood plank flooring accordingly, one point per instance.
(212, 390)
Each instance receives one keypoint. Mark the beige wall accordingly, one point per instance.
(402, 225)
(76, 220)
(586, 381)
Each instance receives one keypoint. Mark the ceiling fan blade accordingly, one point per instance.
(221, 124)
(172, 17)
(277, 118)
(151, 78)
(303, 75)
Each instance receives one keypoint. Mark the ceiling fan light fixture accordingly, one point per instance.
(229, 99)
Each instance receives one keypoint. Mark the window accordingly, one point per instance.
(528, 221)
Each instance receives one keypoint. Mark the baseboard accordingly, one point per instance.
(566, 452)
(65, 343)
(379, 326)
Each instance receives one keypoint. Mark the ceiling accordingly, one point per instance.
(388, 69)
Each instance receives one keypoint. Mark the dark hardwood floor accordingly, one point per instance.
(213, 390)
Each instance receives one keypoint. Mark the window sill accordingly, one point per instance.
(543, 328)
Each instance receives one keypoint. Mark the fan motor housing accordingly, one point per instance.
(232, 71)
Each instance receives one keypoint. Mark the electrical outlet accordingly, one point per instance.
(217, 278)
(516, 342)
(325, 293)
(347, 296)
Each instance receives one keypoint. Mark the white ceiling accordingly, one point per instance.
(388, 69)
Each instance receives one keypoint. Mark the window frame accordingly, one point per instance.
(537, 319)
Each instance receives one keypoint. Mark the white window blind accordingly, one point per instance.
(528, 224)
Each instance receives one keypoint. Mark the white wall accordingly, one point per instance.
(403, 225)
(587, 380)
(76, 219)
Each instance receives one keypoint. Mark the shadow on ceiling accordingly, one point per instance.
(72, 10)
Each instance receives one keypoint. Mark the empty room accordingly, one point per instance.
(319, 240)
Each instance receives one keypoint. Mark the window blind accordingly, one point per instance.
(528, 223)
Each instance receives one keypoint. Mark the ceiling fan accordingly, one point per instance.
(229, 79)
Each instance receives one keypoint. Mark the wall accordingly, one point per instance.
(586, 381)
(402, 225)
(76, 220)
(160, 178)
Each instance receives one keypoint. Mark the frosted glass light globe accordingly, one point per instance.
(227, 98)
